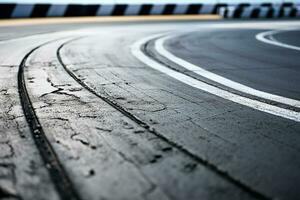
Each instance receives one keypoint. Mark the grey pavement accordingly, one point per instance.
(100, 124)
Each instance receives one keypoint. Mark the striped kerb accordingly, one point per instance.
(81, 10)
(6, 10)
(193, 9)
(145, 9)
(40, 10)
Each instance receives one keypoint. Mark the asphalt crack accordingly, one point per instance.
(60, 118)
(6, 150)
(104, 129)
(4, 91)
(76, 137)
(53, 92)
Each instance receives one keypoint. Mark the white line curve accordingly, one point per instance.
(263, 38)
(264, 107)
(159, 47)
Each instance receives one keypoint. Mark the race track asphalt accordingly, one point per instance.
(101, 111)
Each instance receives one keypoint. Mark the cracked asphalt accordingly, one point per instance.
(82, 118)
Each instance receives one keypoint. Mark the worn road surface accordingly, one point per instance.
(155, 110)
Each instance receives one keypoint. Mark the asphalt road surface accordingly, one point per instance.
(154, 110)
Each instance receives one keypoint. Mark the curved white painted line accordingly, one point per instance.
(263, 38)
(137, 52)
(159, 47)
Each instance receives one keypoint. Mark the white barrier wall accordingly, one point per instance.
(147, 1)
(226, 8)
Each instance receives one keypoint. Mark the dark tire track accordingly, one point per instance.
(57, 172)
(200, 160)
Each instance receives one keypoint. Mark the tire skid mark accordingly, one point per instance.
(205, 162)
(57, 172)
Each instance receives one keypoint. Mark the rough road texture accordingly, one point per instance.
(117, 129)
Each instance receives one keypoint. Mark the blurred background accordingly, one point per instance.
(224, 8)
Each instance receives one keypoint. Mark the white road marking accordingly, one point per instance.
(271, 109)
(159, 47)
(271, 40)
